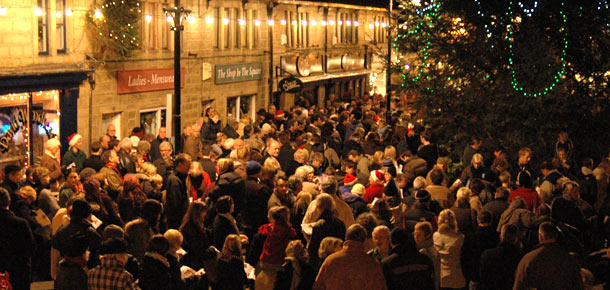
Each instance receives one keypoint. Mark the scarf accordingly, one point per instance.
(115, 169)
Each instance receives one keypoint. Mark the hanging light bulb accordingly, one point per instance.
(313, 23)
(323, 22)
(37, 11)
(191, 19)
(98, 14)
(169, 18)
(283, 21)
(241, 22)
(68, 12)
(225, 21)
(257, 22)
(148, 18)
(209, 20)
(270, 22)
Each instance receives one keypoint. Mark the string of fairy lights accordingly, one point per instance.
(430, 12)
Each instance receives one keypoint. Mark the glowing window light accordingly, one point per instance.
(331, 22)
(68, 12)
(98, 14)
(257, 22)
(270, 22)
(241, 22)
(225, 21)
(148, 18)
(191, 19)
(2, 10)
(313, 23)
(38, 11)
(209, 20)
(283, 21)
(323, 23)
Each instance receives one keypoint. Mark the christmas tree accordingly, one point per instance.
(114, 29)
(514, 72)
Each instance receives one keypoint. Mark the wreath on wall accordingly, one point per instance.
(114, 28)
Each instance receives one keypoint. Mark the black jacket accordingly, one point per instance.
(482, 239)
(222, 228)
(498, 265)
(406, 268)
(254, 212)
(177, 201)
(419, 213)
(62, 241)
(155, 273)
(126, 165)
(230, 183)
(208, 132)
(327, 226)
(94, 162)
(155, 152)
(17, 248)
(287, 274)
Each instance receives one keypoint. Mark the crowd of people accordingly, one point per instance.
(311, 198)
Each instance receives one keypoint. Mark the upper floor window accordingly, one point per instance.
(346, 29)
(43, 27)
(379, 33)
(155, 28)
(60, 15)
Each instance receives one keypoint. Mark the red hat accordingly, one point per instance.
(377, 118)
(349, 180)
(72, 139)
(279, 114)
(377, 175)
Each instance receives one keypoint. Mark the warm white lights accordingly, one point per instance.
(384, 25)
(283, 21)
(371, 25)
(376, 23)
(169, 18)
(98, 14)
(225, 21)
(241, 22)
(191, 19)
(331, 22)
(257, 22)
(2, 10)
(356, 23)
(348, 23)
(313, 23)
(68, 12)
(38, 11)
(58, 14)
(340, 22)
(209, 20)
(270, 22)
(294, 22)
(304, 22)
(148, 18)
(323, 22)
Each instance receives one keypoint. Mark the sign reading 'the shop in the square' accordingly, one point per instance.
(242, 72)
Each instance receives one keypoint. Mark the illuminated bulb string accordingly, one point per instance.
(528, 11)
(430, 14)
(556, 77)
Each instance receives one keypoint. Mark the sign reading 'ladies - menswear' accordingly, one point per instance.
(233, 73)
(147, 80)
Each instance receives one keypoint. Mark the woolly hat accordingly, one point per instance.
(349, 180)
(377, 175)
(279, 114)
(358, 189)
(391, 189)
(422, 195)
(253, 167)
(72, 139)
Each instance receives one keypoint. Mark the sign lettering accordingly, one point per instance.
(233, 73)
(137, 81)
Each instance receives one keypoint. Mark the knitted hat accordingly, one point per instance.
(391, 189)
(377, 175)
(358, 189)
(422, 195)
(253, 167)
(279, 114)
(349, 180)
(72, 139)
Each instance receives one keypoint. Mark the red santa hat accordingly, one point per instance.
(72, 139)
(349, 180)
(377, 175)
(279, 114)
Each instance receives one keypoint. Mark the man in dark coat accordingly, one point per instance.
(484, 237)
(17, 245)
(498, 265)
(254, 213)
(548, 266)
(421, 212)
(127, 164)
(406, 268)
(155, 152)
(94, 161)
(177, 200)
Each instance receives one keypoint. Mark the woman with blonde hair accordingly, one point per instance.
(197, 181)
(296, 272)
(466, 216)
(328, 246)
(231, 274)
(298, 212)
(448, 241)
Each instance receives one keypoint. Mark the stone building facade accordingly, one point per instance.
(234, 54)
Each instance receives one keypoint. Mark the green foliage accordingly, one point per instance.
(466, 84)
(114, 28)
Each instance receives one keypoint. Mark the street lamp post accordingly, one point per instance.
(178, 13)
(389, 67)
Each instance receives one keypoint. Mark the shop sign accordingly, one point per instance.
(148, 80)
(19, 122)
(243, 72)
(291, 85)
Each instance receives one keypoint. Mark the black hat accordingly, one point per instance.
(391, 189)
(422, 195)
(80, 209)
(113, 246)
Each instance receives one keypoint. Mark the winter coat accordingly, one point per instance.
(78, 158)
(326, 226)
(530, 196)
(449, 246)
(406, 268)
(274, 248)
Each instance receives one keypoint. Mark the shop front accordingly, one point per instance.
(33, 109)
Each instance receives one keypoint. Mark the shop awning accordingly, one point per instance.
(335, 75)
(40, 79)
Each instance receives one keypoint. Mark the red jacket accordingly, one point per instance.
(530, 196)
(375, 190)
(274, 248)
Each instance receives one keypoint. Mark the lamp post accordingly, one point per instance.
(178, 13)
(388, 113)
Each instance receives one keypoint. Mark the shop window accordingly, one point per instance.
(43, 27)
(238, 107)
(60, 16)
(153, 119)
(112, 119)
(17, 143)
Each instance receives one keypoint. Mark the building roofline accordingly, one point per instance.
(330, 5)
